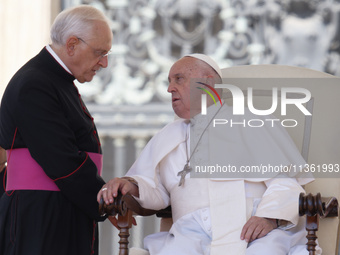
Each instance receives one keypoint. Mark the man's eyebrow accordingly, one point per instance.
(175, 75)
(102, 51)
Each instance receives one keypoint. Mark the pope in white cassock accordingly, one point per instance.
(233, 215)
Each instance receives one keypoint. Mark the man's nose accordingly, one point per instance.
(103, 62)
(171, 87)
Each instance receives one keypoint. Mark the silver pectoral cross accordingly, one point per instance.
(183, 173)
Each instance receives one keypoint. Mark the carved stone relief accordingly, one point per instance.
(149, 35)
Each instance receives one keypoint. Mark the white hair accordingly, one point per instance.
(77, 21)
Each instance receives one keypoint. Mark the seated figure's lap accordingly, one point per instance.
(190, 234)
(276, 242)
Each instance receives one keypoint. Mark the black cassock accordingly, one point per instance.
(43, 105)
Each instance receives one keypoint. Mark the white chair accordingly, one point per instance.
(315, 136)
(317, 139)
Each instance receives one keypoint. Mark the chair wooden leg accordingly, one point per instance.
(311, 227)
(124, 223)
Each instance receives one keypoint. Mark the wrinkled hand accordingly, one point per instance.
(110, 190)
(257, 227)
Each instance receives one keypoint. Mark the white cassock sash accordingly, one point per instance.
(228, 212)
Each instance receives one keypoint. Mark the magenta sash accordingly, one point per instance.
(24, 173)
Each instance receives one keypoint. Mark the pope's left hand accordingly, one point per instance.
(257, 227)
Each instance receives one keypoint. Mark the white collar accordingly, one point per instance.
(52, 52)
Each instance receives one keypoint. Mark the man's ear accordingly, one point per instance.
(210, 80)
(71, 44)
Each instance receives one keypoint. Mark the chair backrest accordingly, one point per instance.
(315, 135)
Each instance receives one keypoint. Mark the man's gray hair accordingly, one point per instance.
(77, 21)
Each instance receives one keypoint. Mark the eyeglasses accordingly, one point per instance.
(99, 53)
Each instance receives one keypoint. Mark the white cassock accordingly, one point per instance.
(209, 213)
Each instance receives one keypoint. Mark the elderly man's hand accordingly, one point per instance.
(110, 190)
(257, 227)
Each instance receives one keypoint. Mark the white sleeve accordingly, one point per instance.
(152, 194)
(281, 201)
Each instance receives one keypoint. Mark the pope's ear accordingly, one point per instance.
(210, 80)
(71, 45)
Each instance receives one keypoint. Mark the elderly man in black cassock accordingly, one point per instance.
(53, 150)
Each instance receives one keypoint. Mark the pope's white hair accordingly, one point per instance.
(77, 21)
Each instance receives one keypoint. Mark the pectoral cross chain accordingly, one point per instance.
(183, 173)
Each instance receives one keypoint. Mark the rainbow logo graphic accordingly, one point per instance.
(204, 97)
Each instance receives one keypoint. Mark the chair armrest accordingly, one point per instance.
(164, 213)
(122, 203)
(125, 206)
(323, 206)
(314, 207)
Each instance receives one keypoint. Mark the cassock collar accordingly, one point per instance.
(56, 57)
(46, 59)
